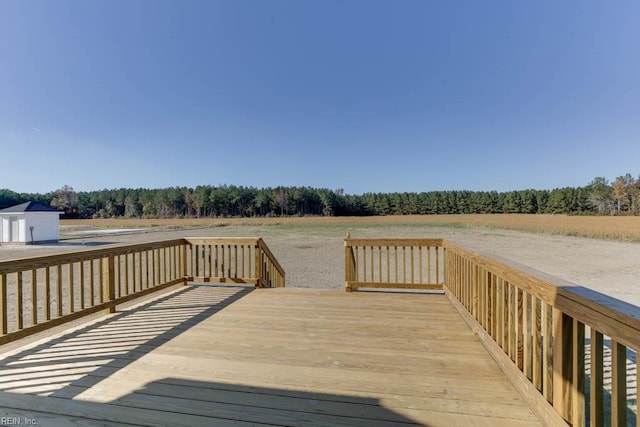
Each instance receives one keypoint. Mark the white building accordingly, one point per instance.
(28, 223)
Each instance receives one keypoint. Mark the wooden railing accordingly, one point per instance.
(269, 272)
(570, 350)
(236, 260)
(393, 263)
(43, 292)
(549, 336)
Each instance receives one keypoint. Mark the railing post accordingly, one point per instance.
(445, 267)
(348, 267)
(108, 282)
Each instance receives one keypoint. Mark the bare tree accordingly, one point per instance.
(65, 198)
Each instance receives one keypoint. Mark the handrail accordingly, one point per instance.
(39, 293)
(542, 330)
(271, 274)
(393, 263)
(27, 263)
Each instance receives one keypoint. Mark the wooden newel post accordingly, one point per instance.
(348, 266)
(108, 282)
(562, 363)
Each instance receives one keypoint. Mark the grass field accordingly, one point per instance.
(602, 227)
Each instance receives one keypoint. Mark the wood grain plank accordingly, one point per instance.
(297, 357)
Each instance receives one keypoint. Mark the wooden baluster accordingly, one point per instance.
(420, 265)
(82, 284)
(437, 250)
(71, 290)
(578, 376)
(380, 264)
(429, 268)
(92, 283)
(537, 344)
(404, 263)
(176, 256)
(548, 353)
(34, 297)
(412, 266)
(19, 314)
(139, 269)
(395, 254)
(373, 264)
(127, 285)
(258, 264)
(59, 290)
(388, 257)
(235, 261)
(519, 336)
(168, 263)
(4, 321)
(618, 384)
(173, 254)
(154, 268)
(108, 282)
(500, 320)
(473, 289)
(244, 260)
(223, 261)
(508, 321)
(162, 265)
(484, 297)
(116, 273)
(217, 262)
(146, 271)
(183, 262)
(493, 314)
(364, 263)
(47, 293)
(596, 383)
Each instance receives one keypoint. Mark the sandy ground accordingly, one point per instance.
(313, 255)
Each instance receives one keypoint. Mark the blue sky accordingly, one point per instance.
(367, 95)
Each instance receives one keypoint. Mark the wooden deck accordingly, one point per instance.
(217, 355)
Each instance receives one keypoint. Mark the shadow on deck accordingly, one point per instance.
(216, 355)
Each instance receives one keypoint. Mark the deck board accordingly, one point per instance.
(217, 355)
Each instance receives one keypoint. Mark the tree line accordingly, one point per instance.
(599, 197)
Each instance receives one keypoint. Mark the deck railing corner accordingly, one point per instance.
(39, 293)
(536, 327)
